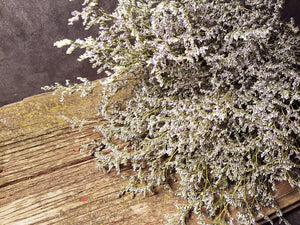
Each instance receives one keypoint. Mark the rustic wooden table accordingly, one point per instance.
(45, 180)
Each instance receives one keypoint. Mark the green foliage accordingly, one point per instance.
(214, 100)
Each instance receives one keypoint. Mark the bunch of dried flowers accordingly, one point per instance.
(213, 100)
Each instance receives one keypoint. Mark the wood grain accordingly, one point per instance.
(45, 180)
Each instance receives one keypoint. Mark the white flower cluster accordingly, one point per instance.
(214, 100)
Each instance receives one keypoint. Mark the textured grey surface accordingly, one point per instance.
(28, 59)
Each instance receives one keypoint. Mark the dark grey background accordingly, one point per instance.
(28, 59)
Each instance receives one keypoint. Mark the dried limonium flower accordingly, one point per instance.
(212, 99)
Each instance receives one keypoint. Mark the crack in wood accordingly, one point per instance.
(50, 170)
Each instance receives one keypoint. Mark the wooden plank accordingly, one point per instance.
(288, 198)
(58, 197)
(42, 113)
(43, 180)
(31, 157)
(32, 132)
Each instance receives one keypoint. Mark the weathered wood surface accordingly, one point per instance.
(45, 180)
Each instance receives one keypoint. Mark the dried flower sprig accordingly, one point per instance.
(214, 100)
(85, 88)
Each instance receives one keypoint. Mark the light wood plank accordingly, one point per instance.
(56, 198)
(46, 152)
